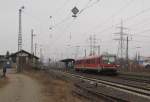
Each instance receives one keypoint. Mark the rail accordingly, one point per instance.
(139, 92)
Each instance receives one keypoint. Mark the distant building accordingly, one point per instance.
(144, 61)
(23, 59)
(2, 60)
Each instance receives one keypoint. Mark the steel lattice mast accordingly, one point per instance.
(20, 29)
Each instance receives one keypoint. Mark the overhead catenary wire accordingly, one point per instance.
(128, 19)
(81, 12)
(141, 41)
(34, 18)
(66, 27)
(64, 4)
(68, 17)
(88, 5)
(37, 21)
(137, 14)
(42, 24)
(112, 16)
(61, 7)
(143, 22)
(140, 33)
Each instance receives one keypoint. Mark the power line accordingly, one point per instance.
(140, 23)
(129, 18)
(75, 18)
(141, 41)
(68, 17)
(88, 6)
(144, 31)
(108, 28)
(137, 14)
(112, 16)
(132, 17)
(85, 7)
(61, 7)
(67, 27)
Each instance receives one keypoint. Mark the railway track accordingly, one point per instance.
(139, 78)
(117, 79)
(138, 94)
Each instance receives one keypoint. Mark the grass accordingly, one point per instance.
(55, 89)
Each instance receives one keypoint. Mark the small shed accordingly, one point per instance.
(69, 62)
(23, 59)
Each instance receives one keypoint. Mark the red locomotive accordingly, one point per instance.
(100, 63)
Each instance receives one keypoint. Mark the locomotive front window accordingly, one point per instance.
(111, 59)
(105, 59)
(108, 59)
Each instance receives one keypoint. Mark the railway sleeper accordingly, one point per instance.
(102, 91)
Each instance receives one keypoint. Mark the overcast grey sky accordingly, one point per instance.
(99, 17)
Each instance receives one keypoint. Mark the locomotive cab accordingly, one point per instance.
(109, 63)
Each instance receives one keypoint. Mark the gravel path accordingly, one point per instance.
(21, 88)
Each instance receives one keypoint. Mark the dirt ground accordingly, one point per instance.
(21, 88)
(3, 82)
(35, 86)
(56, 90)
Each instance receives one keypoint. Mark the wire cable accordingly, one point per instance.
(113, 15)
(129, 18)
(89, 6)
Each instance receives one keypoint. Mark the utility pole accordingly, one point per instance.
(41, 54)
(32, 41)
(127, 52)
(85, 52)
(92, 40)
(138, 54)
(91, 46)
(20, 61)
(77, 51)
(20, 29)
(94, 44)
(70, 37)
(121, 43)
(98, 50)
(35, 49)
(121, 39)
(32, 35)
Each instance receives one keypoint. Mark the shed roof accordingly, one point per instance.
(68, 60)
(23, 51)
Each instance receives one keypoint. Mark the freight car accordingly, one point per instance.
(97, 63)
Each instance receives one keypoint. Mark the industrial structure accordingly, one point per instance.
(23, 60)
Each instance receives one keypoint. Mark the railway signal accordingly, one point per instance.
(75, 11)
